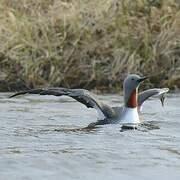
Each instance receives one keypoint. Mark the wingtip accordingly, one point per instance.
(17, 94)
(162, 91)
(165, 90)
(11, 96)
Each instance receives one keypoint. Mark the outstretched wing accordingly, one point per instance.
(81, 95)
(160, 93)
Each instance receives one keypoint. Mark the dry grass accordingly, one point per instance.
(90, 44)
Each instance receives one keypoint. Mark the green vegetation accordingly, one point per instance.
(90, 44)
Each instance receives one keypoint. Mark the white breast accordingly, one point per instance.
(130, 116)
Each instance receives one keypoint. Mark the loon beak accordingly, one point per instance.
(143, 79)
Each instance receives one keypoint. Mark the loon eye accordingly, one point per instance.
(132, 79)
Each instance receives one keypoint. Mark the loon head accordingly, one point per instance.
(130, 88)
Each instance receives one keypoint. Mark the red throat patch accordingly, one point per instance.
(132, 102)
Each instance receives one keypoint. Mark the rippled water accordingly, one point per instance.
(37, 141)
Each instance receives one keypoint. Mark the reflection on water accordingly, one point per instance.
(45, 137)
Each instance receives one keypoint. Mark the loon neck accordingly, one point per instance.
(132, 100)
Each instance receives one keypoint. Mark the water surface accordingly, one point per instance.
(37, 141)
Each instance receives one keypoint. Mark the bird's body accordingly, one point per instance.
(128, 114)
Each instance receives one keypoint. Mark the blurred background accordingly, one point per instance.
(88, 44)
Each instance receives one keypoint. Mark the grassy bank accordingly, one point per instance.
(90, 44)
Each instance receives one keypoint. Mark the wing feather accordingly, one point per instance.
(81, 95)
(156, 92)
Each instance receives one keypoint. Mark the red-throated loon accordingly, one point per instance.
(127, 115)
